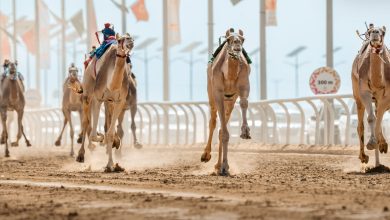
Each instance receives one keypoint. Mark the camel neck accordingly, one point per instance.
(118, 73)
(233, 68)
(376, 70)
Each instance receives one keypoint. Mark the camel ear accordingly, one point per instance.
(240, 32)
(117, 37)
(227, 33)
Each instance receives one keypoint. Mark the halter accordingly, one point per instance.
(232, 53)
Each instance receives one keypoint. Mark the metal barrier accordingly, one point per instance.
(325, 120)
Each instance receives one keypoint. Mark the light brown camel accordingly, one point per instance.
(71, 101)
(371, 83)
(111, 86)
(228, 79)
(12, 99)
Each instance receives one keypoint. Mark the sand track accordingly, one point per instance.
(170, 183)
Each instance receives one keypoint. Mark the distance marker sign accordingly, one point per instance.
(324, 80)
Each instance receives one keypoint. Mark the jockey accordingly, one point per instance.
(108, 38)
(6, 65)
(72, 68)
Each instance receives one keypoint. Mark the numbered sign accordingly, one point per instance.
(324, 80)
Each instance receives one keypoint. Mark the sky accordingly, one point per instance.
(300, 23)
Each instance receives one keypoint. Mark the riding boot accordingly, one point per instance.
(215, 54)
(248, 59)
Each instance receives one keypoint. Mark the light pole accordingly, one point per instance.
(294, 54)
(190, 49)
(144, 46)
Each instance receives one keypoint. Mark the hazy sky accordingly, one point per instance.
(300, 22)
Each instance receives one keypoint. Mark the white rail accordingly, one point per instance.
(328, 119)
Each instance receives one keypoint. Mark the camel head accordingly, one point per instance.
(73, 83)
(12, 67)
(125, 44)
(376, 36)
(234, 43)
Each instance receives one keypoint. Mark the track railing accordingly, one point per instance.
(325, 120)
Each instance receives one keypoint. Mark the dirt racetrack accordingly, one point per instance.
(266, 182)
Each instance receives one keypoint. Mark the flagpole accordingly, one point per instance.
(89, 46)
(63, 42)
(263, 67)
(165, 52)
(37, 49)
(211, 27)
(123, 16)
(14, 27)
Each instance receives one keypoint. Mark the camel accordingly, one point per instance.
(371, 83)
(71, 101)
(12, 99)
(228, 79)
(109, 85)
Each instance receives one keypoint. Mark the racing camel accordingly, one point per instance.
(71, 101)
(371, 83)
(228, 79)
(12, 99)
(105, 80)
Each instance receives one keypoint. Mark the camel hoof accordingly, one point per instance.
(116, 143)
(28, 144)
(97, 138)
(80, 139)
(6, 153)
(372, 144)
(57, 143)
(205, 157)
(245, 133)
(224, 172)
(383, 147)
(364, 158)
(137, 145)
(14, 144)
(80, 158)
(115, 169)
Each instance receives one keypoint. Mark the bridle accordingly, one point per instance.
(124, 56)
(233, 53)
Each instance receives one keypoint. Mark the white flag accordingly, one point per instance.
(173, 22)
(78, 22)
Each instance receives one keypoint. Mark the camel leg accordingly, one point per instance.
(229, 108)
(4, 135)
(58, 141)
(80, 137)
(244, 93)
(118, 152)
(219, 101)
(28, 144)
(19, 134)
(133, 112)
(360, 130)
(96, 104)
(206, 156)
(85, 126)
(378, 129)
(69, 116)
(367, 101)
(110, 136)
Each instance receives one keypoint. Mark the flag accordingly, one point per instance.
(78, 22)
(173, 22)
(44, 38)
(270, 12)
(235, 2)
(28, 38)
(5, 47)
(139, 10)
(91, 24)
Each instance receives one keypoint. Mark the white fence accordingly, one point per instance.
(310, 120)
